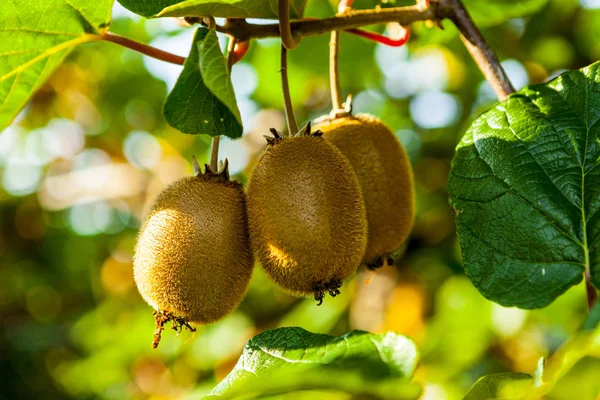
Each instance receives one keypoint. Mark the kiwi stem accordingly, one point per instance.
(214, 151)
(285, 28)
(334, 60)
(334, 71)
(287, 100)
(214, 154)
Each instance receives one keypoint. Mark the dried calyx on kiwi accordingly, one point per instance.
(306, 214)
(193, 259)
(385, 176)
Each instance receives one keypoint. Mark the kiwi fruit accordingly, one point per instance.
(193, 260)
(385, 176)
(306, 215)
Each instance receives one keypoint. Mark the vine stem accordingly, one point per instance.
(214, 151)
(142, 48)
(287, 99)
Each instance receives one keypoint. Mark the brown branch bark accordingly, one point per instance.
(353, 19)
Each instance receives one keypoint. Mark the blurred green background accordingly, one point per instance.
(80, 164)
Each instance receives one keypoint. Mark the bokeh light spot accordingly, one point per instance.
(244, 79)
(21, 177)
(90, 218)
(142, 149)
(432, 110)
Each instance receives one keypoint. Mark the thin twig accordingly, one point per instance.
(243, 30)
(214, 151)
(481, 52)
(287, 100)
(288, 40)
(334, 70)
(142, 48)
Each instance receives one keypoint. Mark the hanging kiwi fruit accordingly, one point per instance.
(306, 215)
(385, 176)
(193, 259)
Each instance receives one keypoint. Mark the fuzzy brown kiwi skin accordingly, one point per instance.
(385, 175)
(306, 215)
(193, 259)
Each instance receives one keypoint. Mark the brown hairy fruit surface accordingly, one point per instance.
(193, 259)
(385, 177)
(307, 216)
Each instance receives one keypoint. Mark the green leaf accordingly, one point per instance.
(509, 385)
(487, 13)
(215, 8)
(203, 100)
(549, 373)
(35, 37)
(290, 359)
(525, 185)
(565, 360)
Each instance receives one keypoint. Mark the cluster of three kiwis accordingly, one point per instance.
(318, 206)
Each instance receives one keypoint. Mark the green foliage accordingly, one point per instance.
(551, 376)
(291, 359)
(525, 188)
(203, 100)
(215, 8)
(510, 385)
(35, 37)
(487, 13)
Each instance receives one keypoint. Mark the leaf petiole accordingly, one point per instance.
(141, 48)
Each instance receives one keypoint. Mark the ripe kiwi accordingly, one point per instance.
(306, 215)
(385, 177)
(193, 260)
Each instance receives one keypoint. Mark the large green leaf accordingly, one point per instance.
(35, 37)
(509, 385)
(203, 100)
(290, 359)
(215, 8)
(525, 185)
